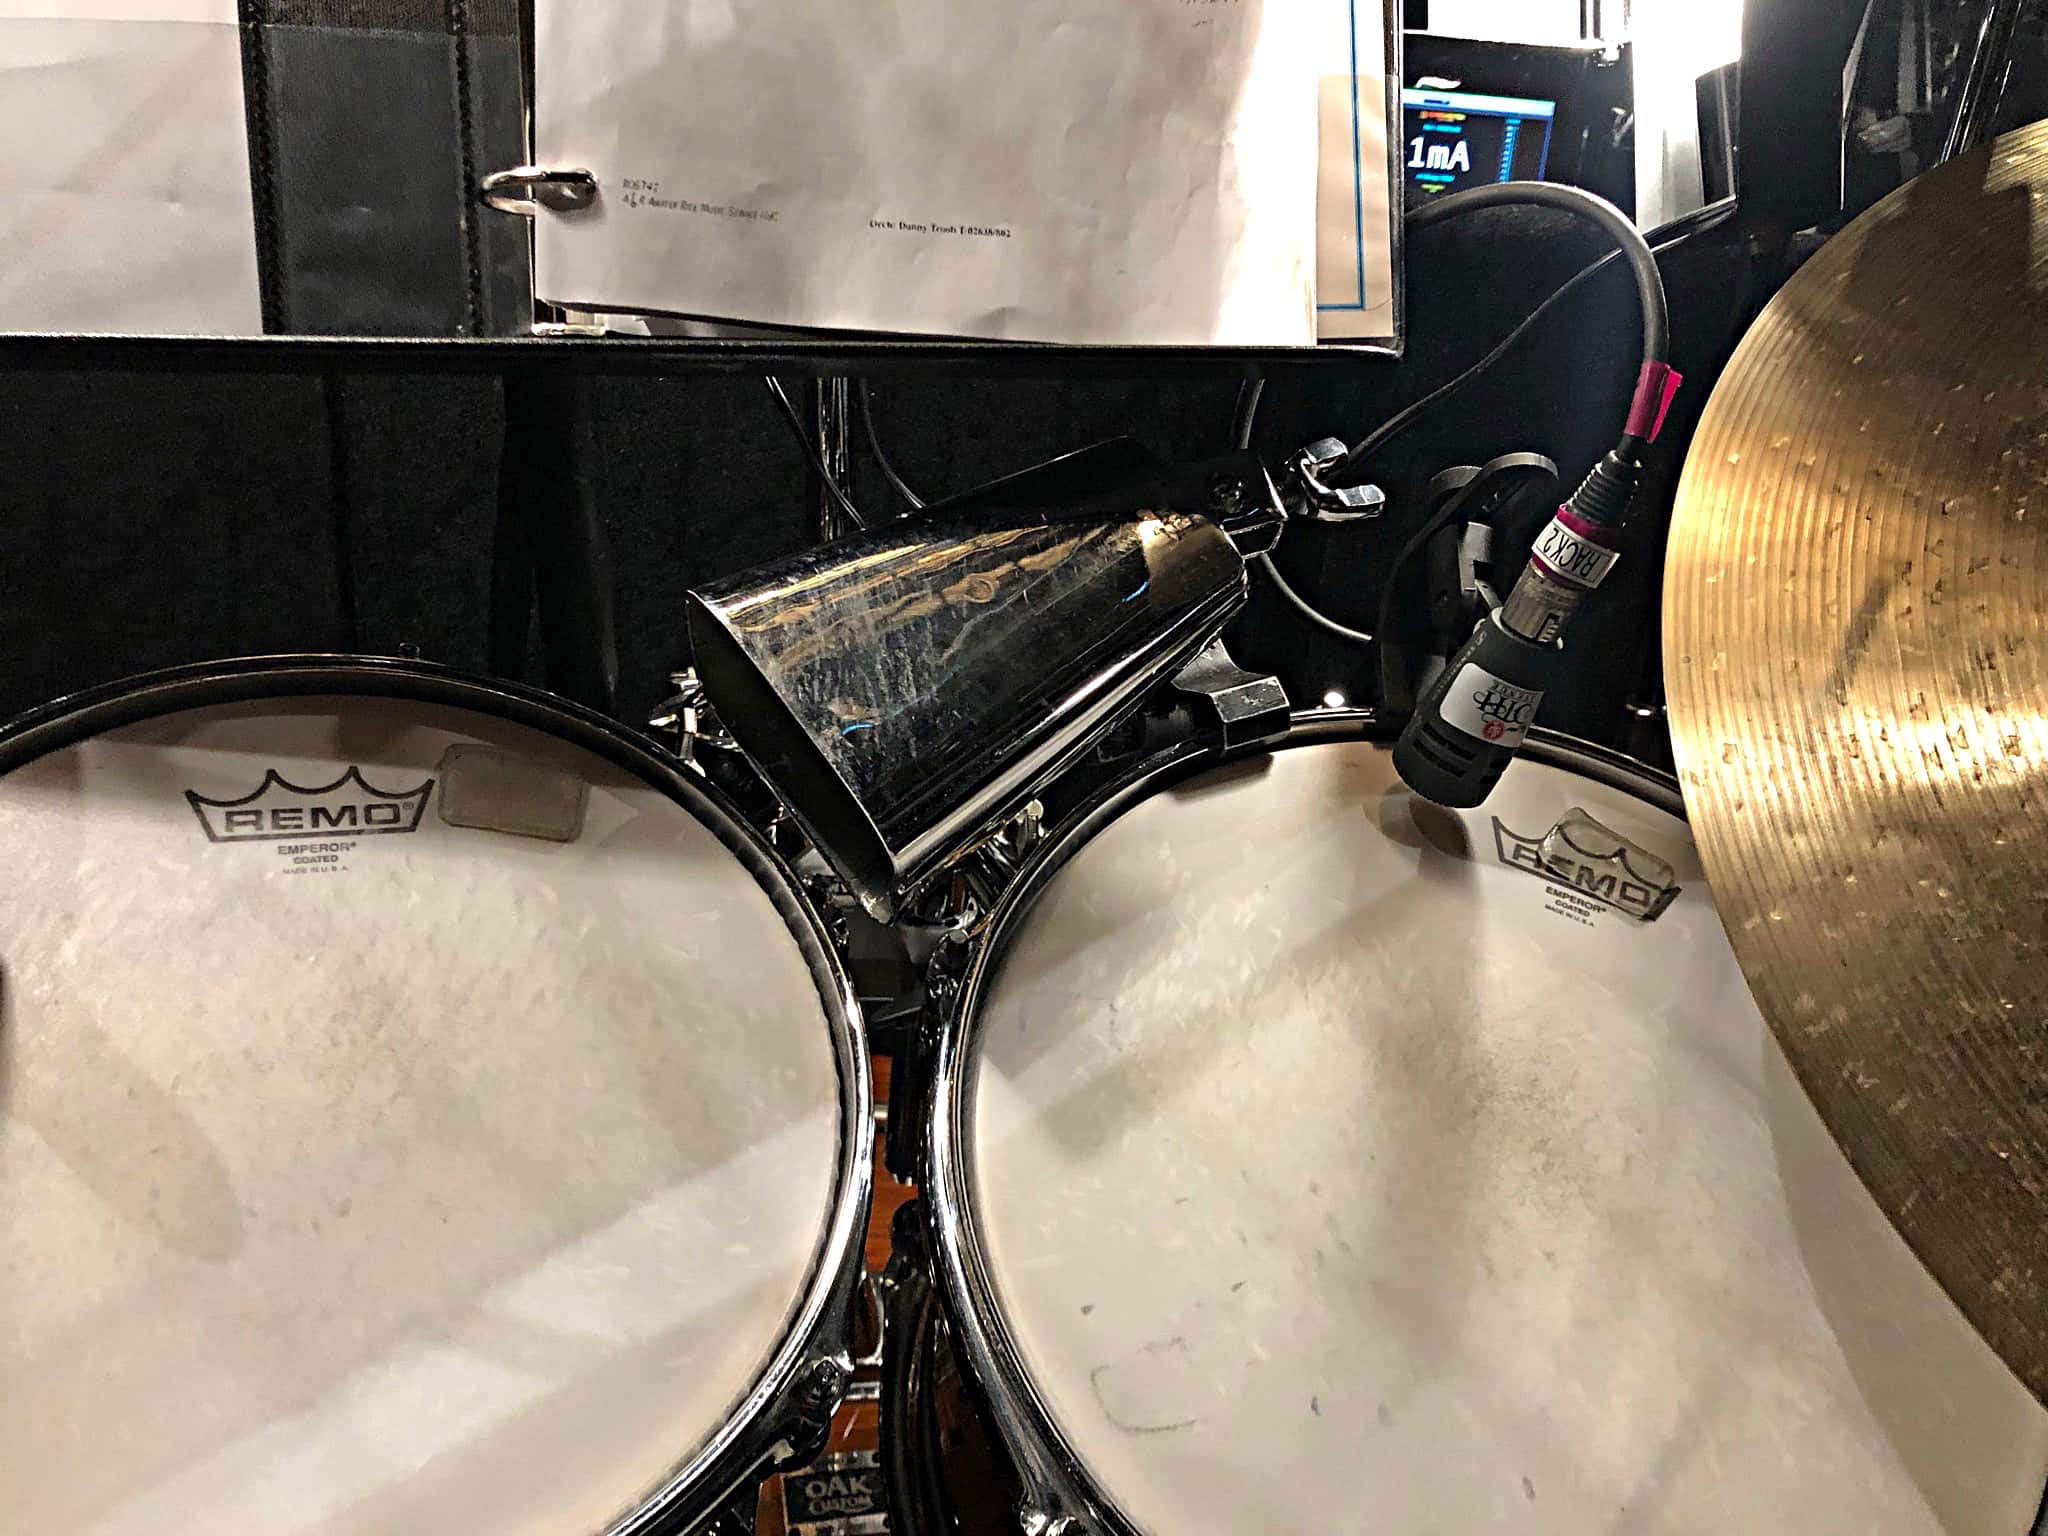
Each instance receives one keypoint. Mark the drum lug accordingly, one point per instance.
(1038, 1514)
(1250, 708)
(807, 1407)
(803, 1411)
(952, 906)
(829, 896)
(943, 973)
(818, 1391)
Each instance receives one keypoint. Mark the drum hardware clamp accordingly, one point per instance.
(1015, 839)
(688, 718)
(1249, 708)
(1309, 496)
(948, 910)
(953, 903)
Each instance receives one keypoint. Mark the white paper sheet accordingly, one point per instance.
(124, 186)
(1100, 171)
(1358, 197)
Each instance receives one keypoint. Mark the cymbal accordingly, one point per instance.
(1856, 654)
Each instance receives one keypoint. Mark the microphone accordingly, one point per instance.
(1471, 720)
(1474, 715)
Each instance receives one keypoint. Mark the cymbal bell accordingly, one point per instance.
(1856, 654)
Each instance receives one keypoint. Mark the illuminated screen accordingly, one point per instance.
(1456, 139)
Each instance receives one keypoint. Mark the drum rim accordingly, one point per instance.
(797, 1389)
(1059, 1490)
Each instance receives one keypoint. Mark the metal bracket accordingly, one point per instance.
(1323, 503)
(1247, 506)
(527, 189)
(687, 719)
(1251, 707)
(1475, 561)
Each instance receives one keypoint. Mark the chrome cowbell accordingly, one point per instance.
(907, 689)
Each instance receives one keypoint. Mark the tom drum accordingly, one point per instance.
(1305, 1158)
(421, 1108)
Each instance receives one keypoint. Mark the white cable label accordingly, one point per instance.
(1488, 709)
(1572, 557)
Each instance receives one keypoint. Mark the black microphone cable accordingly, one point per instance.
(1666, 237)
(1631, 246)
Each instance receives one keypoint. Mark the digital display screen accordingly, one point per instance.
(1457, 139)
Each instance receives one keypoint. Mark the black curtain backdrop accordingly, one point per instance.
(162, 517)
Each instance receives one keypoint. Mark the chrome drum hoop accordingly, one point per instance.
(790, 1405)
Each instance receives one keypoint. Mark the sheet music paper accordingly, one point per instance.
(1140, 171)
(1357, 198)
(124, 198)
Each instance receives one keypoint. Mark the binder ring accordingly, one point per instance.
(526, 189)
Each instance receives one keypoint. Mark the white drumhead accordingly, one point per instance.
(366, 1179)
(1336, 1176)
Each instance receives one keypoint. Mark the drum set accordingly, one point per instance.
(426, 1104)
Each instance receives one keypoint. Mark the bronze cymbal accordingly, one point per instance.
(1856, 651)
